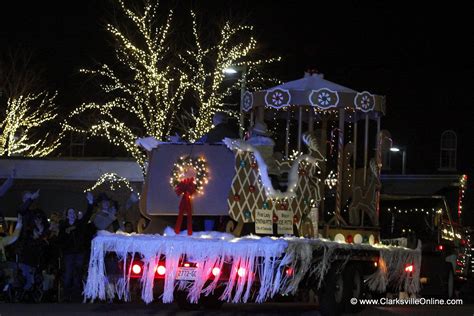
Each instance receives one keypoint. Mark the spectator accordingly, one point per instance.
(72, 236)
(106, 217)
(33, 242)
(6, 272)
(221, 129)
(260, 139)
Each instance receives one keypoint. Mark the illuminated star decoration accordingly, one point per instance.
(21, 122)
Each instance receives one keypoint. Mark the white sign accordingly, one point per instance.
(186, 273)
(264, 222)
(285, 223)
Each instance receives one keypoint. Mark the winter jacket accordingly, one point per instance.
(30, 248)
(73, 238)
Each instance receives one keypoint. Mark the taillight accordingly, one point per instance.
(409, 268)
(241, 272)
(216, 271)
(136, 269)
(161, 270)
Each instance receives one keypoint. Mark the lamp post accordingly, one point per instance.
(231, 71)
(403, 150)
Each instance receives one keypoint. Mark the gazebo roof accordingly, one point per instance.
(313, 82)
(315, 91)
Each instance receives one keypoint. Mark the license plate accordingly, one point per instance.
(186, 274)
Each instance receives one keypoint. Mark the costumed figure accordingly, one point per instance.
(260, 139)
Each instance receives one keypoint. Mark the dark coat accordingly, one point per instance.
(218, 133)
(75, 241)
(30, 250)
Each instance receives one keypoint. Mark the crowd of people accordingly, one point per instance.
(45, 257)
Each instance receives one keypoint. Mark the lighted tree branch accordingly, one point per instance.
(22, 125)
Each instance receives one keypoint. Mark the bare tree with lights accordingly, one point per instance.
(144, 91)
(26, 111)
(235, 47)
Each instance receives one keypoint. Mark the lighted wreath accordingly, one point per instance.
(191, 170)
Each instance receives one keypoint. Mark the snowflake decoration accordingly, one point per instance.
(364, 101)
(331, 179)
(324, 98)
(247, 101)
(294, 155)
(277, 98)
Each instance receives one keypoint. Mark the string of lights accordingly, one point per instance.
(113, 180)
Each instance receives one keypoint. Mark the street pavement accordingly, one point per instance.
(135, 309)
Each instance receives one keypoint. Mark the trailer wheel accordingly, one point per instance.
(353, 288)
(332, 294)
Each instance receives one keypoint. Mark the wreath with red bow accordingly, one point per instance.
(189, 174)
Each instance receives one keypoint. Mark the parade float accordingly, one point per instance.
(321, 234)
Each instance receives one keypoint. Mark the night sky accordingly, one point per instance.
(421, 58)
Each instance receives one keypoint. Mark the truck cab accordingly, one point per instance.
(407, 219)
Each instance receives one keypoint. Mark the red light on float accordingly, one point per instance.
(440, 248)
(216, 271)
(289, 271)
(409, 268)
(161, 270)
(241, 272)
(136, 269)
(349, 239)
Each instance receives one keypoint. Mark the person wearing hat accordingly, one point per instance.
(221, 129)
(106, 217)
(260, 139)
